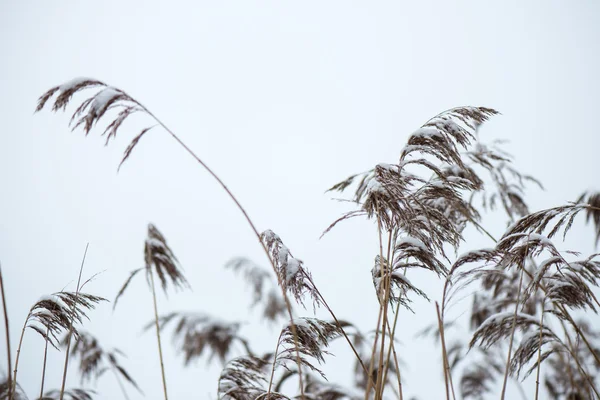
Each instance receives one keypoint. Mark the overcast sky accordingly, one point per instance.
(283, 99)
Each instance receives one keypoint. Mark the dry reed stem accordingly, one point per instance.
(252, 226)
(65, 94)
(443, 334)
(380, 319)
(569, 318)
(392, 335)
(64, 378)
(388, 291)
(512, 336)
(569, 346)
(444, 352)
(337, 322)
(370, 383)
(274, 362)
(539, 362)
(44, 364)
(582, 370)
(391, 349)
(14, 382)
(386, 297)
(160, 354)
(7, 331)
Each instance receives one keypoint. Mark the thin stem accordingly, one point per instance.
(382, 307)
(338, 324)
(478, 225)
(512, 336)
(274, 361)
(539, 363)
(371, 364)
(64, 378)
(160, 354)
(8, 352)
(393, 332)
(569, 318)
(14, 381)
(443, 332)
(252, 226)
(392, 348)
(584, 373)
(387, 275)
(444, 353)
(44, 364)
(571, 349)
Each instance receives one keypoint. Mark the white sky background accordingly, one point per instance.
(282, 99)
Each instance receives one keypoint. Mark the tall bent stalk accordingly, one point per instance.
(110, 97)
(8, 352)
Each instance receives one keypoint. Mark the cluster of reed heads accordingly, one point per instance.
(531, 301)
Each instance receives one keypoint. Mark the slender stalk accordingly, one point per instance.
(557, 305)
(560, 355)
(44, 364)
(337, 322)
(539, 363)
(387, 275)
(252, 226)
(160, 354)
(571, 349)
(584, 373)
(443, 335)
(14, 381)
(382, 307)
(64, 378)
(512, 336)
(8, 352)
(371, 364)
(444, 353)
(392, 348)
(569, 318)
(274, 361)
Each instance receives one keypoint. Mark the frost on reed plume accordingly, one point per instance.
(533, 306)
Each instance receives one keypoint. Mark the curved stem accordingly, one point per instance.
(14, 381)
(160, 354)
(338, 324)
(274, 361)
(8, 352)
(252, 226)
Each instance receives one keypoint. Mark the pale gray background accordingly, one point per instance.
(282, 99)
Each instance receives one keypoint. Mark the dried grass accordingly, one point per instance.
(528, 287)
